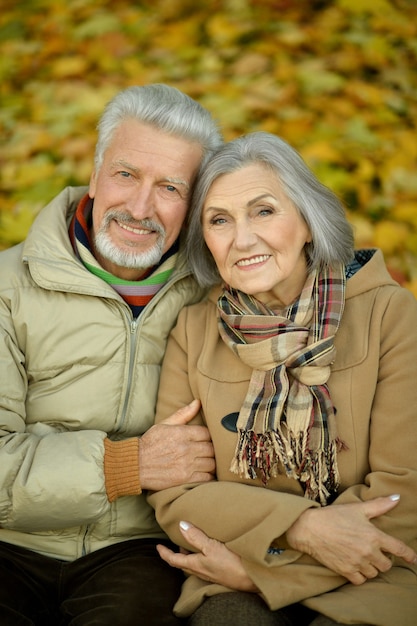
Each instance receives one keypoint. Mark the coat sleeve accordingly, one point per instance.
(391, 426)
(49, 478)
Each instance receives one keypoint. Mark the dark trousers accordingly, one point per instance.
(247, 609)
(126, 584)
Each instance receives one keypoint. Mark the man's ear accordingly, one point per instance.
(92, 185)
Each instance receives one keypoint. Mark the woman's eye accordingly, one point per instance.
(266, 210)
(216, 221)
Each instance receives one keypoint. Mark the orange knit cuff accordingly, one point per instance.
(121, 468)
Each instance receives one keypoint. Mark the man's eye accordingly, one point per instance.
(171, 188)
(125, 174)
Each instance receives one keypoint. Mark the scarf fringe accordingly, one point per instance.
(263, 453)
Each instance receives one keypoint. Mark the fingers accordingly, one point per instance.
(171, 455)
(369, 567)
(194, 536)
(396, 547)
(174, 559)
(370, 570)
(165, 553)
(379, 506)
(212, 561)
(357, 578)
(391, 545)
(180, 560)
(202, 458)
(184, 415)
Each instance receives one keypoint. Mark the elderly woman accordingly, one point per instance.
(304, 359)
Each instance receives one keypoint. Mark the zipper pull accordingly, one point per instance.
(133, 326)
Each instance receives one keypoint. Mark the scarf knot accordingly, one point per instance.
(287, 422)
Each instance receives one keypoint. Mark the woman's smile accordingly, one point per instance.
(255, 260)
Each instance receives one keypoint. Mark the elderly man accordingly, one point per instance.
(86, 304)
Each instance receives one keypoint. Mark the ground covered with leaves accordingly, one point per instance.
(337, 79)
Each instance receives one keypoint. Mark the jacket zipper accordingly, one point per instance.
(134, 324)
(133, 337)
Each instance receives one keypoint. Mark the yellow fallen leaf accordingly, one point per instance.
(224, 30)
(411, 245)
(63, 67)
(366, 6)
(390, 236)
(366, 170)
(362, 229)
(321, 151)
(14, 225)
(412, 286)
(250, 63)
(406, 212)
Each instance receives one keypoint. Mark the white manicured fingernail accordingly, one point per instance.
(395, 497)
(185, 525)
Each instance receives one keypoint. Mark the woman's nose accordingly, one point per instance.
(245, 237)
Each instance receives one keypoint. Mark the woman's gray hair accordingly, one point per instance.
(164, 107)
(332, 235)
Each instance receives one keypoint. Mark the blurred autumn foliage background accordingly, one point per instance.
(337, 79)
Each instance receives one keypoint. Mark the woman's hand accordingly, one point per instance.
(213, 561)
(342, 538)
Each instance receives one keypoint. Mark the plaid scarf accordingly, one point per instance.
(138, 293)
(287, 418)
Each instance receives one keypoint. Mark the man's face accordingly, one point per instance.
(141, 195)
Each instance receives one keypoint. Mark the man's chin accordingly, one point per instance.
(127, 258)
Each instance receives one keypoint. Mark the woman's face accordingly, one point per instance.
(256, 235)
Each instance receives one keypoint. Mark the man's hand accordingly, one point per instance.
(213, 561)
(172, 452)
(342, 537)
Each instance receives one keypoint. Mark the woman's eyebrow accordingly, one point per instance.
(260, 197)
(248, 204)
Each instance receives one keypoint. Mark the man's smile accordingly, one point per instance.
(136, 231)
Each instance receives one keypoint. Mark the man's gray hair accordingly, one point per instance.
(163, 107)
(332, 236)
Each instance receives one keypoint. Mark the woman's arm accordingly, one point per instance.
(362, 550)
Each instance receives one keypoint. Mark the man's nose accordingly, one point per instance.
(141, 203)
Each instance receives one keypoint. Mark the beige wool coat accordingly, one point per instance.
(373, 385)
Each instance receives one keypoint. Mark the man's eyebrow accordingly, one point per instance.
(133, 168)
(125, 164)
(177, 181)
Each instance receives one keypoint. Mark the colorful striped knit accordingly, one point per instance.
(137, 294)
